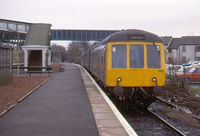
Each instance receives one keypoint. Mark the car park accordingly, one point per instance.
(193, 74)
(190, 63)
(173, 69)
(197, 64)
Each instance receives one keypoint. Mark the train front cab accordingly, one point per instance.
(135, 64)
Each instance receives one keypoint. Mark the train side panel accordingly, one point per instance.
(85, 59)
(97, 62)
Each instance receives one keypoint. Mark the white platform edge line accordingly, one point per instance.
(124, 123)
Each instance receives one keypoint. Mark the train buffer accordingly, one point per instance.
(70, 103)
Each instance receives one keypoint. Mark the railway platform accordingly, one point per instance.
(69, 104)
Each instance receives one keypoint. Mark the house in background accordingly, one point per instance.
(190, 48)
(181, 50)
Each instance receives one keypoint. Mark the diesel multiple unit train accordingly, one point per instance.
(129, 63)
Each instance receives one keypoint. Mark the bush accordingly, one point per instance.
(176, 85)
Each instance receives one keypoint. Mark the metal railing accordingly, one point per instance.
(34, 69)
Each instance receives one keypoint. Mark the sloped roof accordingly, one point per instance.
(38, 34)
(175, 43)
(184, 40)
(166, 39)
(7, 20)
(190, 40)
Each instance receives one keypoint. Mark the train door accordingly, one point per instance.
(100, 62)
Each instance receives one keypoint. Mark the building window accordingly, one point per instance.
(183, 59)
(26, 28)
(20, 28)
(183, 48)
(197, 58)
(169, 50)
(2, 25)
(170, 60)
(197, 48)
(10, 26)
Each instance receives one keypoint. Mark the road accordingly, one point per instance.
(195, 85)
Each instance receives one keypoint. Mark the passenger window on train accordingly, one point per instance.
(136, 56)
(153, 56)
(119, 56)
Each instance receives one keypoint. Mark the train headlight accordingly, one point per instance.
(119, 79)
(154, 79)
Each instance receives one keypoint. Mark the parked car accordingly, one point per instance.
(190, 63)
(197, 65)
(193, 74)
(173, 69)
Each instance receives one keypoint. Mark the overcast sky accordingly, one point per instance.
(163, 17)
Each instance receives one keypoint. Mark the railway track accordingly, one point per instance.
(189, 107)
(183, 121)
(146, 122)
(153, 124)
(149, 123)
(184, 101)
(174, 129)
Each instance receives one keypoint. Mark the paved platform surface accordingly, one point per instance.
(58, 108)
(108, 119)
(70, 104)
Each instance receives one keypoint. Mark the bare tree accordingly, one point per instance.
(75, 49)
(58, 53)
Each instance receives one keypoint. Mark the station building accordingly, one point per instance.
(37, 49)
(6, 60)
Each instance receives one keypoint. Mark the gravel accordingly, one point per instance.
(181, 120)
(11, 93)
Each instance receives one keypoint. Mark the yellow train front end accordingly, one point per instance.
(131, 65)
(135, 64)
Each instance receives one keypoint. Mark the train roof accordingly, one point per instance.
(130, 35)
(133, 35)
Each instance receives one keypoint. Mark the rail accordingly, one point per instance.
(178, 107)
(167, 124)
